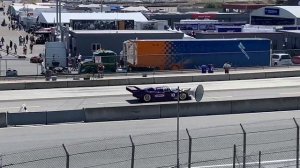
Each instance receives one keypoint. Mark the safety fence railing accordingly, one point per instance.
(258, 145)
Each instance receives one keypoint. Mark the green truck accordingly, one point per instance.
(107, 58)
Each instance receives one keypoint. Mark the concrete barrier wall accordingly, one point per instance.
(3, 120)
(12, 86)
(172, 79)
(46, 85)
(210, 77)
(147, 80)
(122, 113)
(243, 76)
(137, 81)
(87, 83)
(265, 105)
(26, 118)
(116, 82)
(281, 74)
(65, 116)
(196, 109)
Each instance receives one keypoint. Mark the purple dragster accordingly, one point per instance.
(161, 93)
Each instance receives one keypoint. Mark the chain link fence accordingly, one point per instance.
(255, 145)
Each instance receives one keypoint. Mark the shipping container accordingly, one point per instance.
(192, 53)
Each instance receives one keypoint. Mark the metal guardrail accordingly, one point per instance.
(261, 144)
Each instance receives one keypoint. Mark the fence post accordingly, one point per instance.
(259, 159)
(132, 152)
(234, 155)
(297, 145)
(190, 149)
(244, 146)
(46, 117)
(1, 160)
(67, 156)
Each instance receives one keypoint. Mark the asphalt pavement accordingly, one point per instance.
(23, 66)
(91, 97)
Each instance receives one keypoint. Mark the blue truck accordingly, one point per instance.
(167, 54)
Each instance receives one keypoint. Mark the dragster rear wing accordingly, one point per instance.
(133, 89)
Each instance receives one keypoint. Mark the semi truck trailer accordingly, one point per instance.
(166, 54)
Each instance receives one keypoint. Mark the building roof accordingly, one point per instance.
(45, 17)
(285, 11)
(135, 9)
(122, 31)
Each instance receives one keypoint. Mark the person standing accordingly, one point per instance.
(25, 50)
(31, 47)
(20, 40)
(79, 58)
(7, 49)
(226, 67)
(27, 39)
(2, 40)
(10, 44)
(15, 47)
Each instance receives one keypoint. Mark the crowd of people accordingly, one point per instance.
(10, 47)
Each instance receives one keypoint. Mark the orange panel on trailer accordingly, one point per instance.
(152, 54)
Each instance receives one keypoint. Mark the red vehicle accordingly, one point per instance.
(36, 59)
(296, 59)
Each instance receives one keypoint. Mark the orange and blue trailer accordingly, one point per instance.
(166, 54)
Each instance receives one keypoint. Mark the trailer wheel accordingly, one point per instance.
(147, 98)
(182, 96)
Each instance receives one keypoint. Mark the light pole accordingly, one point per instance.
(197, 93)
(177, 153)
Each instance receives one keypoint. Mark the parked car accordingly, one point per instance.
(280, 59)
(36, 59)
(161, 93)
(296, 59)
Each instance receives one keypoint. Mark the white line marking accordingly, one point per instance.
(220, 97)
(19, 107)
(290, 93)
(110, 103)
(250, 163)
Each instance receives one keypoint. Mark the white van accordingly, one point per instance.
(280, 59)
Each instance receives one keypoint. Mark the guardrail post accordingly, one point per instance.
(234, 155)
(244, 146)
(67, 156)
(297, 145)
(132, 152)
(259, 159)
(190, 149)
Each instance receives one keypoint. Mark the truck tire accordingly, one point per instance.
(147, 98)
(182, 96)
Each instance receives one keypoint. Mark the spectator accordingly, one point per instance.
(7, 49)
(31, 47)
(15, 47)
(226, 67)
(79, 58)
(2, 40)
(27, 39)
(10, 44)
(25, 50)
(1, 44)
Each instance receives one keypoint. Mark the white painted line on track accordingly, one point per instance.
(250, 163)
(290, 93)
(1, 108)
(220, 97)
(110, 103)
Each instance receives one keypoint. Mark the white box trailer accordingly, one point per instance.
(55, 54)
